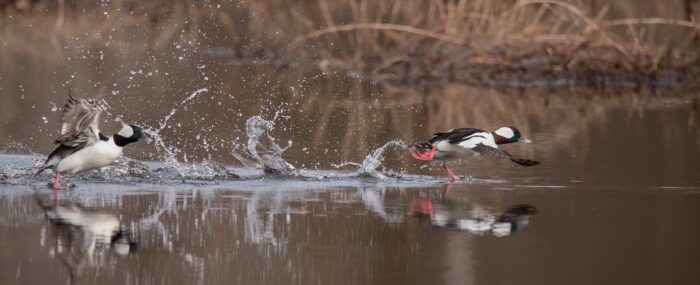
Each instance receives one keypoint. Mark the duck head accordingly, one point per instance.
(128, 134)
(506, 135)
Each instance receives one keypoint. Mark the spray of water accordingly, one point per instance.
(169, 153)
(262, 150)
(371, 163)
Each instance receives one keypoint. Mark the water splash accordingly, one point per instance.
(197, 171)
(206, 170)
(262, 150)
(170, 152)
(124, 168)
(371, 163)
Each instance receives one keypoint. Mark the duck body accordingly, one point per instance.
(97, 155)
(466, 142)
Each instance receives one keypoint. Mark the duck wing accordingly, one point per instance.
(80, 123)
(79, 128)
(497, 152)
(454, 136)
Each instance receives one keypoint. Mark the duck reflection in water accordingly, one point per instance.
(480, 221)
(81, 234)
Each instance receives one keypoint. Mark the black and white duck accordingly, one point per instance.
(465, 142)
(81, 145)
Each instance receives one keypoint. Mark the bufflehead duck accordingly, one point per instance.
(464, 142)
(82, 146)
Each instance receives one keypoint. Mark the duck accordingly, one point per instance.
(465, 142)
(81, 145)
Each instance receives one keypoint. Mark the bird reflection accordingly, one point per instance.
(478, 221)
(82, 234)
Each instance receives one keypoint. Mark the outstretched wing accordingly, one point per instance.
(496, 152)
(79, 119)
(490, 151)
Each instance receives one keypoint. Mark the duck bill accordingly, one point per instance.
(525, 140)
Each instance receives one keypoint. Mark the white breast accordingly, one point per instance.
(100, 154)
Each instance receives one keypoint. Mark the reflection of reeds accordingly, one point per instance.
(356, 122)
(352, 121)
(496, 42)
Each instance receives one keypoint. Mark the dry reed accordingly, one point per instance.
(492, 42)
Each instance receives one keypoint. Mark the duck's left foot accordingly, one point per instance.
(455, 178)
(451, 174)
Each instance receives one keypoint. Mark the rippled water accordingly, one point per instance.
(261, 174)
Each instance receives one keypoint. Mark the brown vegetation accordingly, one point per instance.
(492, 42)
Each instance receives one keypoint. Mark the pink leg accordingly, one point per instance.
(56, 196)
(57, 181)
(452, 176)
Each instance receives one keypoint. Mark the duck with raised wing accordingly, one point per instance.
(82, 146)
(464, 142)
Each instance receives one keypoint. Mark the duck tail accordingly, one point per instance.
(423, 151)
(524, 162)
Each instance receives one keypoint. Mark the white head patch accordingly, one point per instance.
(505, 132)
(126, 132)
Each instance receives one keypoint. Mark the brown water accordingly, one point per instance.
(614, 201)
